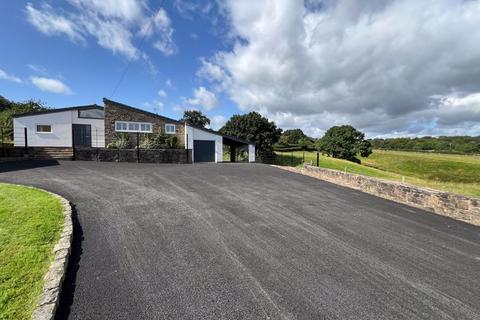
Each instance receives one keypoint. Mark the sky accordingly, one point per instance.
(387, 67)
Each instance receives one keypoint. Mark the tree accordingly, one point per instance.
(255, 128)
(345, 142)
(292, 136)
(195, 118)
(10, 108)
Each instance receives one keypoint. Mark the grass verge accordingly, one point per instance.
(454, 173)
(30, 224)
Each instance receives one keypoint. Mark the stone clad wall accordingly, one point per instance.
(444, 203)
(131, 155)
(115, 112)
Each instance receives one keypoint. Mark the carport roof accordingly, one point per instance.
(239, 140)
(90, 106)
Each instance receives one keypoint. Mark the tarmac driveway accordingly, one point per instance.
(242, 241)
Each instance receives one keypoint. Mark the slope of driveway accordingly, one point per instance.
(241, 241)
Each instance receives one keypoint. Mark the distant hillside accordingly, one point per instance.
(456, 144)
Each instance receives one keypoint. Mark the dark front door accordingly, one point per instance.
(203, 151)
(82, 135)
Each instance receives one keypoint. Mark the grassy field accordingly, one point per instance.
(454, 173)
(30, 224)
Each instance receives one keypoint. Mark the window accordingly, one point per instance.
(44, 128)
(91, 114)
(170, 128)
(127, 126)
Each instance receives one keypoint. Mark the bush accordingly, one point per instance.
(121, 142)
(159, 141)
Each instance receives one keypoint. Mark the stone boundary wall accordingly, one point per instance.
(50, 297)
(448, 204)
(130, 155)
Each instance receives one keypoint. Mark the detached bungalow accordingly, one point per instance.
(96, 126)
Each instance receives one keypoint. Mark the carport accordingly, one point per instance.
(235, 144)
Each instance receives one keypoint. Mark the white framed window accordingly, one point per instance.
(44, 128)
(129, 126)
(170, 128)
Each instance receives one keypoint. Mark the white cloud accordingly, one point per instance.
(5, 76)
(374, 64)
(38, 69)
(50, 23)
(216, 122)
(203, 98)
(168, 83)
(114, 24)
(162, 93)
(50, 85)
(156, 105)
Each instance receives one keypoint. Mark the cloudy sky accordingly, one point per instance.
(388, 67)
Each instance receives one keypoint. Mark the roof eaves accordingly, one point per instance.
(34, 113)
(122, 105)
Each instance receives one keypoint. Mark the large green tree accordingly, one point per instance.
(10, 108)
(195, 118)
(345, 142)
(255, 128)
(292, 136)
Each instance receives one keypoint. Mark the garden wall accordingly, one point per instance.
(444, 203)
(131, 155)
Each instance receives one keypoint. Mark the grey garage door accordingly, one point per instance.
(203, 151)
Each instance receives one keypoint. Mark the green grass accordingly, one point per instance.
(453, 173)
(30, 224)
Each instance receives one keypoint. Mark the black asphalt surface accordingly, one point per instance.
(244, 241)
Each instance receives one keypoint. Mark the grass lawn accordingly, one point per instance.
(31, 221)
(454, 173)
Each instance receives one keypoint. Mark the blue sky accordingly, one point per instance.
(388, 67)
(92, 71)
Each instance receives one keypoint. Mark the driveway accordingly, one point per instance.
(242, 241)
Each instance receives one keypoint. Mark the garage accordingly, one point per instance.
(207, 145)
(204, 150)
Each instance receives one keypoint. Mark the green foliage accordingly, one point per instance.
(457, 144)
(292, 136)
(30, 225)
(10, 108)
(159, 141)
(345, 142)
(255, 128)
(195, 118)
(121, 141)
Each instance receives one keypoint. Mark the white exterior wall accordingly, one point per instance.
(98, 129)
(251, 153)
(197, 134)
(61, 135)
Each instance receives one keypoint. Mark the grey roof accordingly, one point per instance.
(90, 106)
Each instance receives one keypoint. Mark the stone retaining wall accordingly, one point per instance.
(130, 155)
(50, 297)
(444, 203)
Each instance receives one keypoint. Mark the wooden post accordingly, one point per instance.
(26, 140)
(303, 160)
(291, 159)
(138, 147)
(318, 159)
(73, 142)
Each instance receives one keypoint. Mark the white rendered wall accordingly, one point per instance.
(61, 135)
(251, 153)
(98, 129)
(197, 134)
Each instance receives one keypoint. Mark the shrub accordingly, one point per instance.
(121, 142)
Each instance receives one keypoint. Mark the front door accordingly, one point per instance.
(82, 135)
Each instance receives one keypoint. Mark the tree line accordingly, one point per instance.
(344, 142)
(454, 144)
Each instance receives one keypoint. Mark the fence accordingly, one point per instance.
(286, 159)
